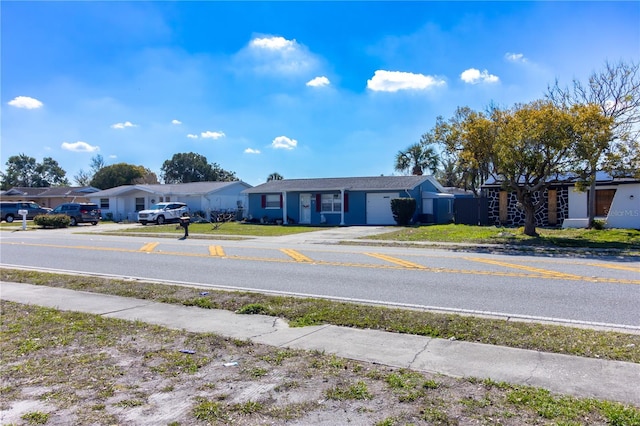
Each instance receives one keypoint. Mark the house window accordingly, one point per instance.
(104, 203)
(330, 203)
(139, 204)
(272, 201)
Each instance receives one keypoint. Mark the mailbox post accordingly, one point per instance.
(24, 214)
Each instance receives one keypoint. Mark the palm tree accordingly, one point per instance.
(416, 159)
(274, 176)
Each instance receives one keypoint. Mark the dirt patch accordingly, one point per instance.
(61, 368)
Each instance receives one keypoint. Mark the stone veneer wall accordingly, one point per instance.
(515, 216)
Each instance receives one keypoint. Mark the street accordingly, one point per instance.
(564, 289)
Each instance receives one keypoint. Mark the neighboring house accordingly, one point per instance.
(347, 201)
(49, 196)
(617, 203)
(124, 202)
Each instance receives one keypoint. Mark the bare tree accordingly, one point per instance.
(616, 92)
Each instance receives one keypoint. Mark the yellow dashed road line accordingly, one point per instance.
(555, 274)
(148, 248)
(216, 251)
(397, 261)
(297, 256)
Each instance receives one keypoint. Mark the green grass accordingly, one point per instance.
(228, 228)
(308, 311)
(589, 238)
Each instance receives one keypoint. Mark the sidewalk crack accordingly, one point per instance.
(420, 352)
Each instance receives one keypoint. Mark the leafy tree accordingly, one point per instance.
(465, 139)
(192, 167)
(19, 172)
(49, 173)
(274, 176)
(529, 144)
(417, 158)
(117, 175)
(149, 178)
(25, 171)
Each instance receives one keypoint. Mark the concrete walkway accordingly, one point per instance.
(577, 376)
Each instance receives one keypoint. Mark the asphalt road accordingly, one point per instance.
(581, 290)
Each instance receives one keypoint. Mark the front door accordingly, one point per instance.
(305, 208)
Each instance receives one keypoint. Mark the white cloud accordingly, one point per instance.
(123, 125)
(212, 135)
(277, 55)
(283, 142)
(515, 57)
(474, 76)
(319, 82)
(113, 156)
(392, 81)
(79, 147)
(25, 102)
(251, 151)
(176, 122)
(192, 136)
(273, 43)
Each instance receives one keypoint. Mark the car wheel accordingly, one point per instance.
(9, 218)
(144, 222)
(94, 223)
(73, 221)
(160, 220)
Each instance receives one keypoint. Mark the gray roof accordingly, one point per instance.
(374, 183)
(192, 188)
(51, 191)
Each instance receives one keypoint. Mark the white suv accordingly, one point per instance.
(162, 212)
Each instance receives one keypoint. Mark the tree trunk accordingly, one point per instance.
(529, 216)
(591, 208)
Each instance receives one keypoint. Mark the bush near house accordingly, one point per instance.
(403, 210)
(52, 220)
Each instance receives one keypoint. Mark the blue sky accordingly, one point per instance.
(304, 89)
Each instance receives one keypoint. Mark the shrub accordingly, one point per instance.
(403, 210)
(52, 220)
(598, 224)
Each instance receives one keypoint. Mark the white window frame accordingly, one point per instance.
(272, 201)
(330, 203)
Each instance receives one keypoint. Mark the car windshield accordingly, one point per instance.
(159, 206)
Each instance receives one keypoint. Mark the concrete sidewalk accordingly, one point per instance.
(577, 376)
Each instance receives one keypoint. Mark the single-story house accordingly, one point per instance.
(347, 201)
(617, 203)
(124, 202)
(49, 196)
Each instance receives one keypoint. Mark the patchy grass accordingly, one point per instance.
(589, 238)
(308, 311)
(102, 371)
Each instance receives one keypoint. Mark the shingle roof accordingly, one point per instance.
(374, 183)
(169, 189)
(51, 191)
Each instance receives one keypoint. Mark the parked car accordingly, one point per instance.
(79, 212)
(162, 212)
(9, 210)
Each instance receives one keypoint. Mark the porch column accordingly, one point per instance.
(284, 208)
(342, 207)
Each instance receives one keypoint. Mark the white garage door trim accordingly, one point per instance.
(379, 208)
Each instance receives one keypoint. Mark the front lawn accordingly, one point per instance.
(227, 228)
(592, 238)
